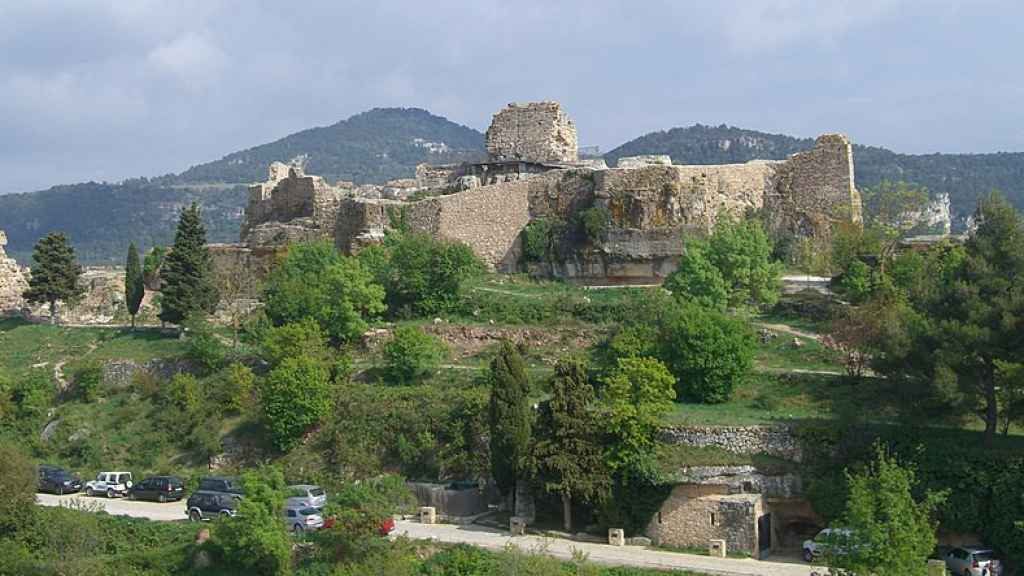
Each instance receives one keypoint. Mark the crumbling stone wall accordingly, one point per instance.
(778, 441)
(296, 199)
(815, 188)
(692, 515)
(12, 282)
(537, 132)
(238, 270)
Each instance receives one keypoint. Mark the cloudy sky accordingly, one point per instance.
(109, 89)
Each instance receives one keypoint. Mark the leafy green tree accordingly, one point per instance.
(965, 318)
(411, 354)
(256, 541)
(426, 275)
(742, 253)
(317, 282)
(569, 450)
(708, 352)
(296, 395)
(891, 210)
(697, 279)
(88, 380)
(510, 418)
(856, 281)
(304, 337)
(134, 284)
(236, 384)
(203, 346)
(55, 274)
(18, 480)
(634, 399)
(891, 532)
(187, 286)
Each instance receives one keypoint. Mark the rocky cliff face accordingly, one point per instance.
(12, 283)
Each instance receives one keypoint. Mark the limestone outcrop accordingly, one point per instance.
(12, 282)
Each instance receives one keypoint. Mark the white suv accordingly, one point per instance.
(110, 483)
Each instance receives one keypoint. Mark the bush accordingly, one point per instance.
(856, 282)
(742, 254)
(234, 387)
(594, 221)
(316, 282)
(707, 351)
(698, 280)
(411, 354)
(18, 482)
(88, 380)
(541, 238)
(203, 347)
(304, 337)
(296, 395)
(256, 540)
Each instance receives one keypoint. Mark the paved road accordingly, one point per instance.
(491, 539)
(601, 553)
(120, 506)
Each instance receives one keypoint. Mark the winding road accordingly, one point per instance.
(491, 539)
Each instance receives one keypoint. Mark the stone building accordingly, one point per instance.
(537, 132)
(12, 282)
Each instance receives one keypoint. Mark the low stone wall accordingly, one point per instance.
(121, 373)
(772, 440)
(457, 503)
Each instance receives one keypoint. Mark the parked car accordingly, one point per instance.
(112, 484)
(307, 495)
(203, 505)
(973, 561)
(298, 519)
(58, 480)
(222, 484)
(828, 538)
(159, 488)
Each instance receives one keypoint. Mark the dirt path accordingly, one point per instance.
(789, 330)
(58, 368)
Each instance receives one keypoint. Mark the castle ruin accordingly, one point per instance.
(12, 283)
(533, 172)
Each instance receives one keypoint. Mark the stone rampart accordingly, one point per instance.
(772, 440)
(238, 269)
(12, 283)
(536, 132)
(295, 198)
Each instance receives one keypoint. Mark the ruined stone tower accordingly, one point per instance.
(536, 132)
(12, 282)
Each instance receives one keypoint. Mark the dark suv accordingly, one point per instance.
(222, 484)
(159, 488)
(204, 505)
(58, 480)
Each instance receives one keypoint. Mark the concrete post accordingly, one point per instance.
(517, 526)
(616, 536)
(428, 515)
(716, 548)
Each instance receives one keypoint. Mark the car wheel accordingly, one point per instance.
(194, 515)
(161, 499)
(225, 514)
(110, 493)
(808, 556)
(89, 492)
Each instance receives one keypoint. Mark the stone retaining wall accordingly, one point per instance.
(772, 440)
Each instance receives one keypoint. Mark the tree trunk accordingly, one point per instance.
(567, 512)
(53, 312)
(991, 413)
(133, 322)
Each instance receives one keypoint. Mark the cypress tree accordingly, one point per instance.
(134, 285)
(55, 275)
(511, 418)
(188, 286)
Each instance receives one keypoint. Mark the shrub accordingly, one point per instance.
(296, 395)
(856, 282)
(594, 221)
(256, 541)
(698, 280)
(88, 381)
(235, 386)
(18, 481)
(742, 254)
(203, 347)
(304, 337)
(411, 354)
(707, 351)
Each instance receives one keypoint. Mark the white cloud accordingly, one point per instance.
(192, 58)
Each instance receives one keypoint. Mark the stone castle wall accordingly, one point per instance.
(292, 197)
(536, 132)
(12, 283)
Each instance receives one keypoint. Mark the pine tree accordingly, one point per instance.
(569, 450)
(188, 286)
(55, 275)
(134, 285)
(511, 418)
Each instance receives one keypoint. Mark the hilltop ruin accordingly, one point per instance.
(533, 172)
(12, 283)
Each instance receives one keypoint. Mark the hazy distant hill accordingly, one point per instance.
(101, 218)
(964, 177)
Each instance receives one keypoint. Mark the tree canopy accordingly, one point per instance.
(55, 274)
(186, 275)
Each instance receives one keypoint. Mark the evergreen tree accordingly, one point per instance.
(510, 417)
(134, 284)
(569, 450)
(55, 275)
(188, 286)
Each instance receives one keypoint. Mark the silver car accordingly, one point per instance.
(973, 561)
(835, 540)
(308, 495)
(299, 519)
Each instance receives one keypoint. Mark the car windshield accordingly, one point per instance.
(317, 492)
(309, 511)
(983, 556)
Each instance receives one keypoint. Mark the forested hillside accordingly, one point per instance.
(965, 177)
(102, 218)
